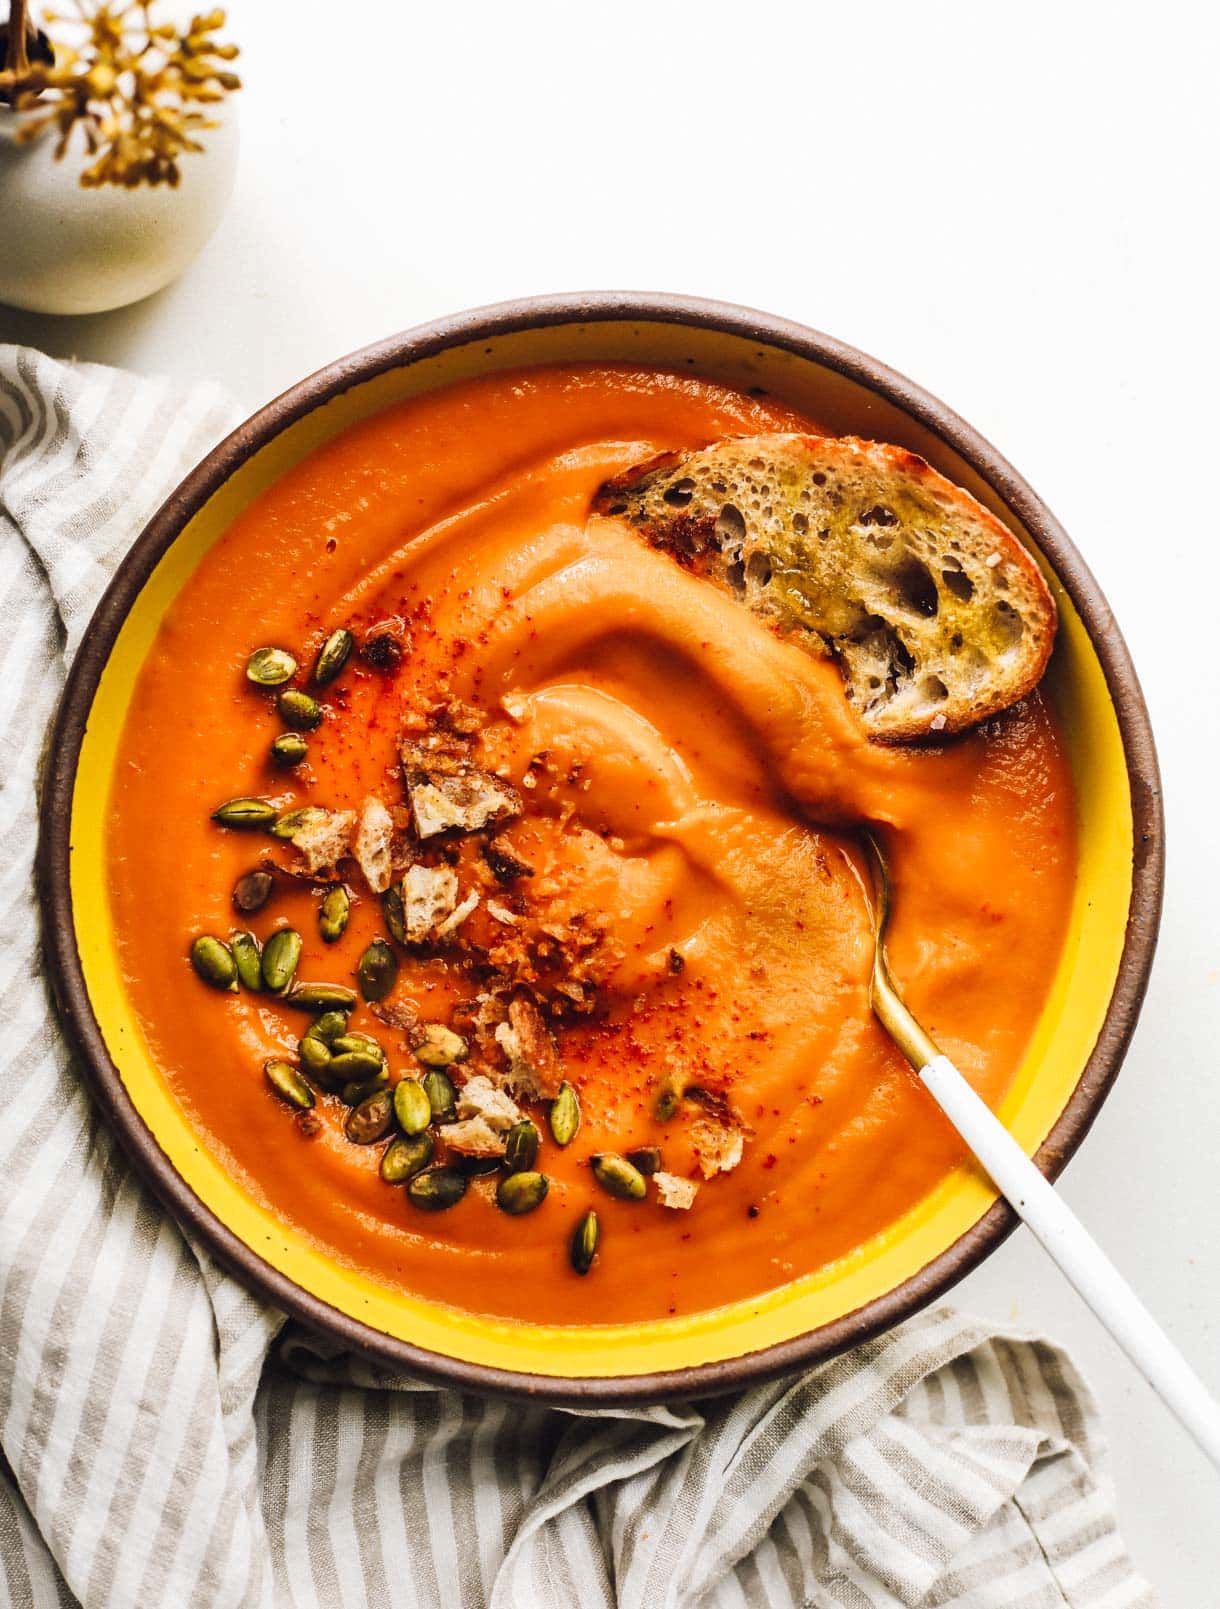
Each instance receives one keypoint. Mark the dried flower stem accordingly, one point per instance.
(17, 56)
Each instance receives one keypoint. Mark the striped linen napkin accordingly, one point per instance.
(168, 1440)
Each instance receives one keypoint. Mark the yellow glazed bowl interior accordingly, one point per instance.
(888, 1276)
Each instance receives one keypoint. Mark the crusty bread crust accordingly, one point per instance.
(936, 614)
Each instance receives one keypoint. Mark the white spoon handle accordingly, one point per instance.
(1077, 1254)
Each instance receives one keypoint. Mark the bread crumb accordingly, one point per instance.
(325, 840)
(675, 1192)
(473, 1137)
(992, 560)
(937, 723)
(516, 706)
(501, 913)
(479, 1097)
(457, 916)
(429, 896)
(373, 847)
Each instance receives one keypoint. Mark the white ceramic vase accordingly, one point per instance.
(66, 249)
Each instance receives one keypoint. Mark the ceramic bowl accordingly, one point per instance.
(1075, 1050)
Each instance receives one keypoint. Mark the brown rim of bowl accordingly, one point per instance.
(488, 323)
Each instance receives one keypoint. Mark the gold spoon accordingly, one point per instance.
(1033, 1198)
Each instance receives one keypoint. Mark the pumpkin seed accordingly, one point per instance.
(214, 963)
(249, 815)
(248, 959)
(281, 953)
(439, 1046)
(356, 1091)
(442, 1097)
(298, 710)
(315, 1055)
(371, 1120)
(289, 1084)
(289, 749)
(669, 1097)
(332, 656)
(645, 1160)
(394, 915)
(404, 1158)
(355, 1066)
(565, 1115)
(583, 1247)
(521, 1146)
(330, 1026)
(333, 914)
(326, 997)
(251, 892)
(412, 1107)
(437, 1189)
(270, 667)
(293, 820)
(616, 1175)
(377, 970)
(477, 1167)
(361, 1044)
(519, 1193)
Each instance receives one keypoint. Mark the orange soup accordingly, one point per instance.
(663, 907)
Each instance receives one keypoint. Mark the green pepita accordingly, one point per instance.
(519, 1193)
(281, 953)
(437, 1189)
(394, 915)
(478, 1167)
(315, 1056)
(669, 1097)
(270, 667)
(333, 914)
(355, 1066)
(565, 1115)
(332, 656)
(583, 1247)
(331, 1025)
(412, 1107)
(404, 1158)
(371, 1120)
(521, 1146)
(289, 1084)
(298, 710)
(292, 821)
(289, 749)
(320, 996)
(353, 1093)
(377, 970)
(248, 958)
(646, 1160)
(248, 815)
(251, 892)
(617, 1176)
(360, 1044)
(214, 963)
(442, 1097)
(438, 1046)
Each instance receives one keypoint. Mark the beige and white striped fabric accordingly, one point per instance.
(167, 1441)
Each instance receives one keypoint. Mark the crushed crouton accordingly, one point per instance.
(533, 1062)
(479, 1097)
(325, 838)
(457, 916)
(449, 792)
(675, 1192)
(474, 1136)
(516, 706)
(501, 913)
(429, 896)
(373, 847)
(718, 1145)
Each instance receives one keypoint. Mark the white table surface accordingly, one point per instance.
(1013, 206)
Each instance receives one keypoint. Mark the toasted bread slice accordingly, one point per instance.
(936, 614)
